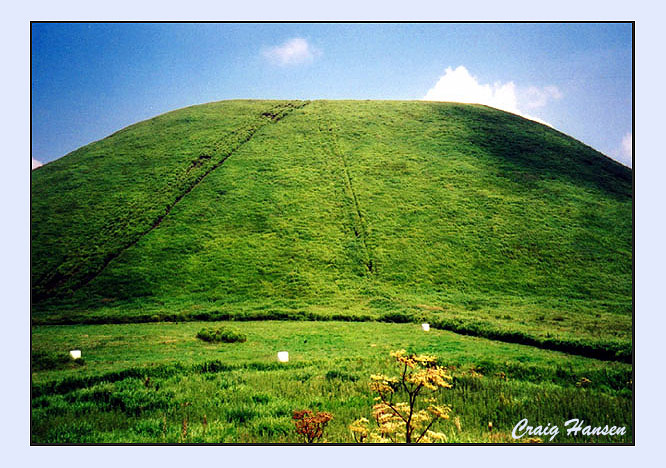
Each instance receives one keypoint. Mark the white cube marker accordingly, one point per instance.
(75, 354)
(425, 326)
(283, 356)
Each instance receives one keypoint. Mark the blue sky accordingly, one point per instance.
(89, 80)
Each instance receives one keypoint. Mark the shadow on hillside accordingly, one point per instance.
(524, 148)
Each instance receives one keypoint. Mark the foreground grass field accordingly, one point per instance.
(158, 383)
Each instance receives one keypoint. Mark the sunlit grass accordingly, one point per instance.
(135, 376)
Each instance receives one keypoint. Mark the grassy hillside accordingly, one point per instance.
(478, 220)
(90, 205)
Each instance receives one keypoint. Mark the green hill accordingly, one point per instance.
(477, 220)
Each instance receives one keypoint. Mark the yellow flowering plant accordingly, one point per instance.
(409, 421)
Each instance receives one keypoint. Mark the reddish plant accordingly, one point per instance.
(309, 425)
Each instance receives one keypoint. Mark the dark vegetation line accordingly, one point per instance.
(272, 115)
(620, 352)
(360, 229)
(602, 351)
(70, 384)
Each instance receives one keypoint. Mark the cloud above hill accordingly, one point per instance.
(458, 85)
(540, 97)
(291, 52)
(35, 163)
(625, 152)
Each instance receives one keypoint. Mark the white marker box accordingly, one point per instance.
(283, 356)
(75, 354)
(425, 326)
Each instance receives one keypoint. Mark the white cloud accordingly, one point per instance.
(292, 52)
(460, 86)
(539, 97)
(35, 163)
(626, 151)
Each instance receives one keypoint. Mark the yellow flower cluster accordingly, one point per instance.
(431, 437)
(403, 421)
(390, 423)
(430, 377)
(413, 360)
(382, 384)
(359, 429)
(441, 412)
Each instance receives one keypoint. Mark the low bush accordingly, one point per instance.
(311, 426)
(52, 361)
(396, 317)
(221, 335)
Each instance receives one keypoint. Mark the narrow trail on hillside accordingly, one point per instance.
(270, 116)
(359, 225)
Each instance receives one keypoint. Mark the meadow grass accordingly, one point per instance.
(141, 381)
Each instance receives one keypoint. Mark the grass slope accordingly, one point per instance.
(473, 218)
(91, 205)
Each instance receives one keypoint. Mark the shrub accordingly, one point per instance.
(311, 426)
(221, 335)
(52, 361)
(403, 420)
(396, 317)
